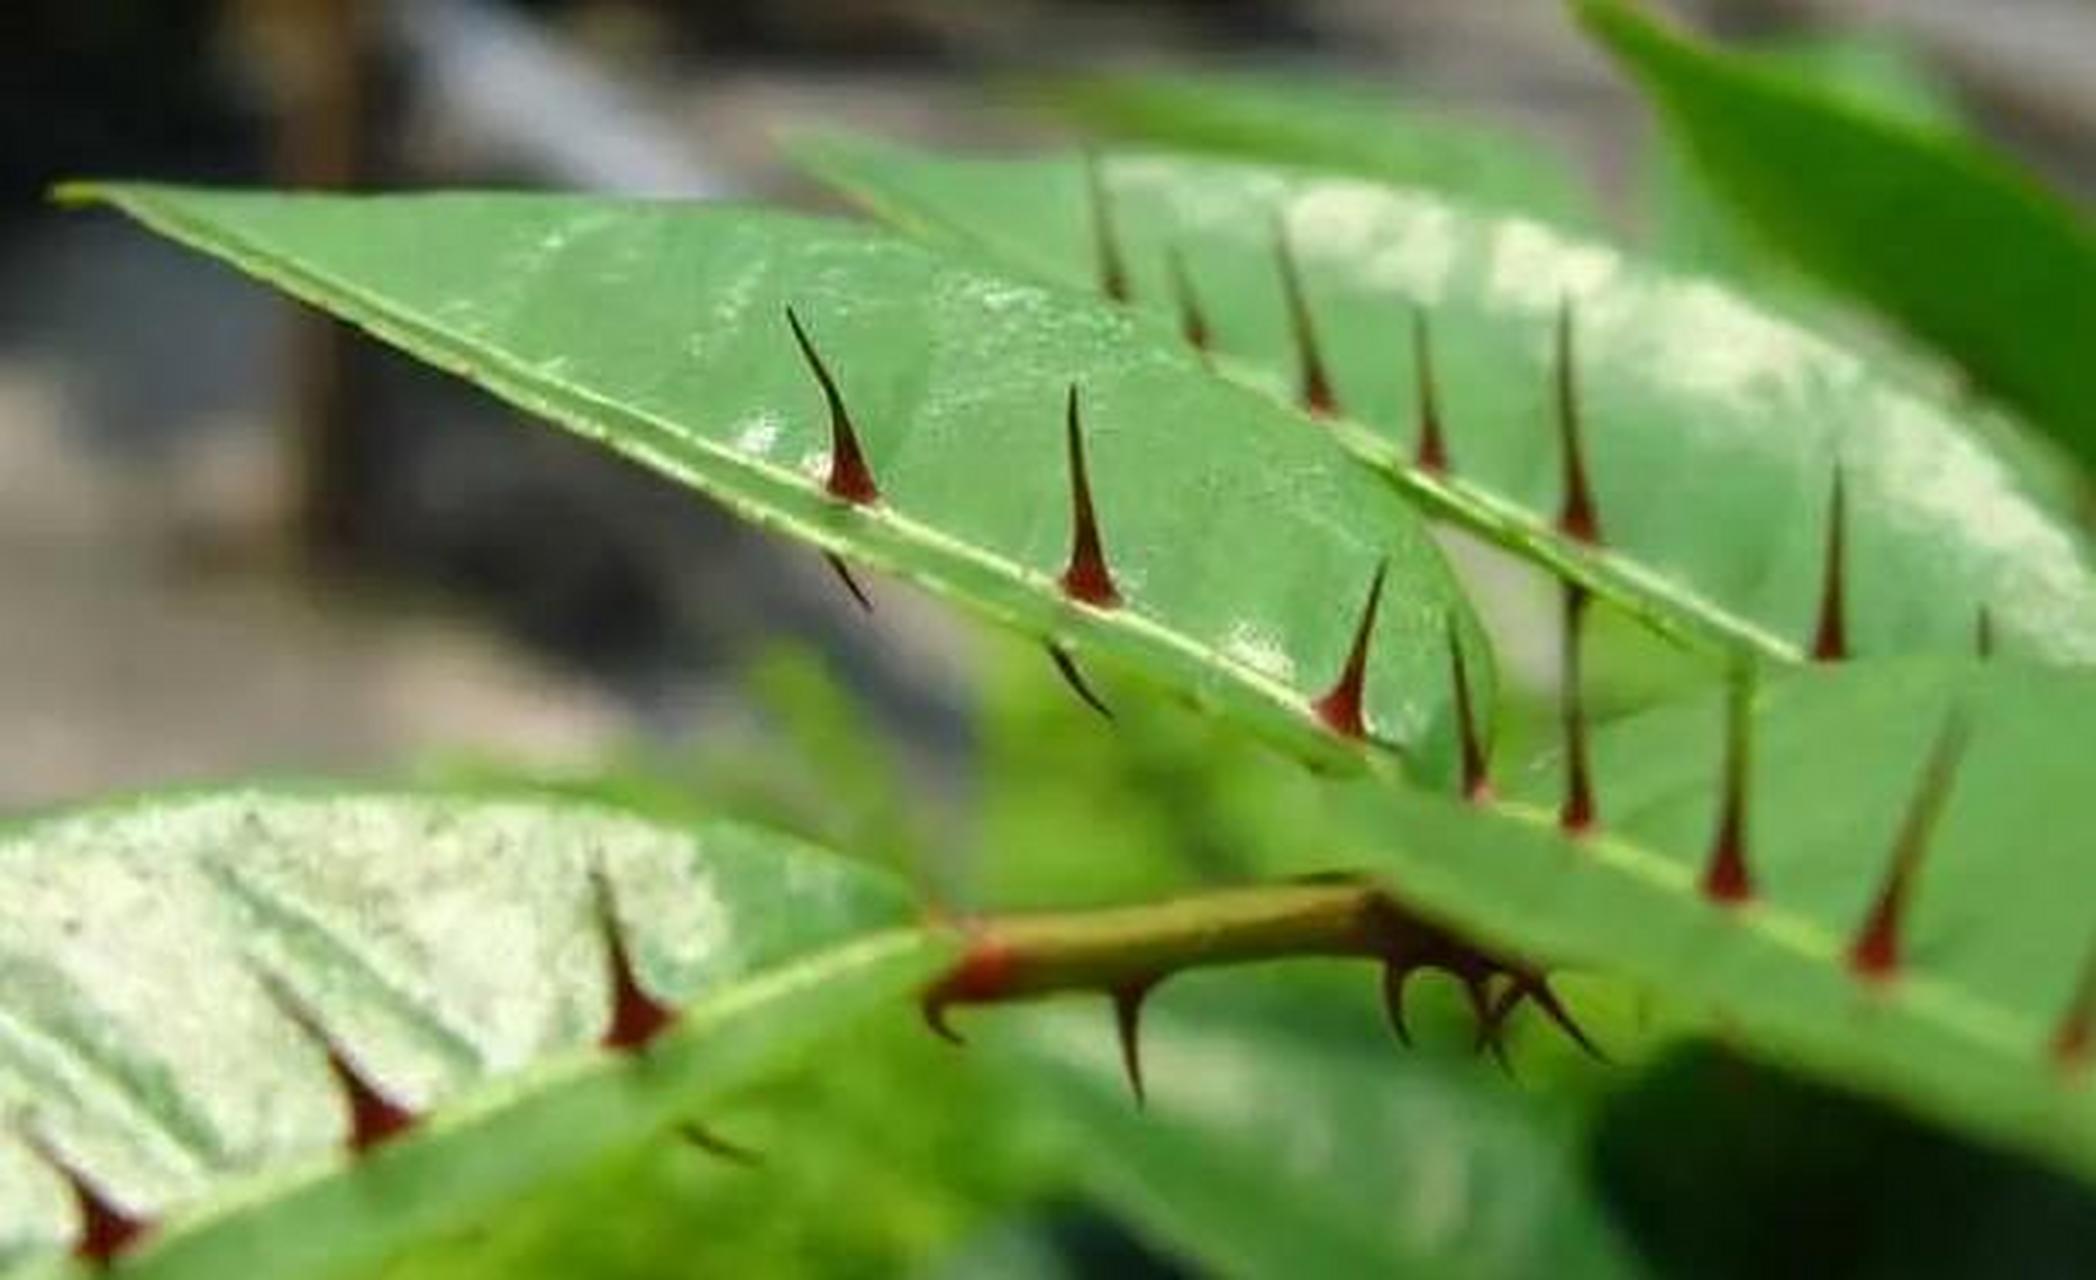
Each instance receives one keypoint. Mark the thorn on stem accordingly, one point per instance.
(1316, 386)
(851, 584)
(1830, 638)
(850, 480)
(637, 1018)
(1577, 517)
(1086, 579)
(1876, 950)
(1113, 275)
(1340, 708)
(1067, 665)
(1577, 816)
(1128, 1012)
(1431, 455)
(1726, 878)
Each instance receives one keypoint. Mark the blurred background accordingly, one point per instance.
(236, 540)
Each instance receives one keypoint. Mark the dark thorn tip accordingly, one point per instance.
(107, 1231)
(1395, 976)
(1876, 950)
(1316, 384)
(1340, 708)
(1577, 516)
(1578, 814)
(851, 584)
(1726, 878)
(713, 1144)
(850, 479)
(934, 1007)
(1067, 665)
(1477, 778)
(374, 1116)
(637, 1018)
(1431, 453)
(1113, 273)
(1830, 636)
(1086, 578)
(1128, 1013)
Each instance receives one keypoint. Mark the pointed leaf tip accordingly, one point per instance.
(1340, 708)
(850, 479)
(1086, 579)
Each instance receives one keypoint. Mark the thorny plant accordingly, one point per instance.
(1400, 917)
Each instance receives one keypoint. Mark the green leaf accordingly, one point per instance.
(1243, 544)
(1263, 1153)
(159, 955)
(2001, 927)
(1712, 428)
(1963, 249)
(1345, 127)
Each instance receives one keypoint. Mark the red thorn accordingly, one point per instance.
(713, 1144)
(1340, 708)
(1395, 975)
(1113, 276)
(1317, 395)
(981, 974)
(1577, 518)
(850, 480)
(374, 1118)
(1875, 952)
(2075, 1043)
(1983, 633)
(1067, 665)
(1726, 878)
(107, 1232)
(1128, 1012)
(1432, 452)
(851, 584)
(1193, 324)
(1578, 814)
(636, 1017)
(1477, 780)
(1087, 578)
(1830, 641)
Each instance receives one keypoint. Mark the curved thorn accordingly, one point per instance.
(1477, 779)
(713, 1144)
(1395, 976)
(851, 584)
(850, 480)
(1431, 454)
(1113, 275)
(1316, 387)
(374, 1117)
(1128, 1012)
(1539, 990)
(1067, 665)
(106, 1230)
(1577, 815)
(1830, 637)
(1726, 878)
(934, 1006)
(1340, 708)
(2075, 1043)
(636, 1017)
(1875, 951)
(1086, 578)
(1193, 323)
(1577, 517)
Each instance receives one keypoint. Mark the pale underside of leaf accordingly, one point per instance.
(1711, 429)
(450, 949)
(1996, 936)
(1240, 543)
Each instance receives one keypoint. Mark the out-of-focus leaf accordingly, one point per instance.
(1331, 124)
(1954, 243)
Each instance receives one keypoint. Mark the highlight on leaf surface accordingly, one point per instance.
(1990, 267)
(291, 1032)
(913, 413)
(1709, 429)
